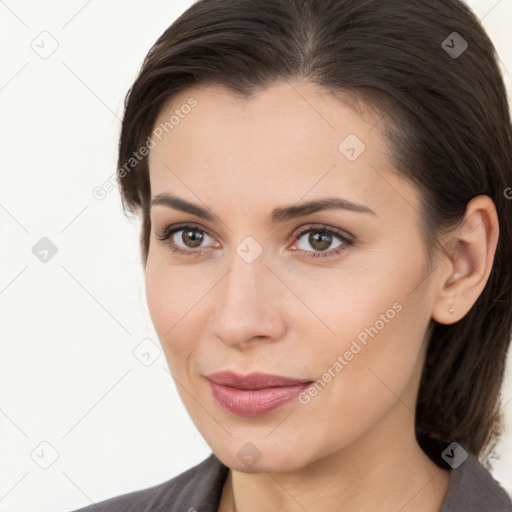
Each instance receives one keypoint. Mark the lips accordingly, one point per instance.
(255, 394)
(254, 380)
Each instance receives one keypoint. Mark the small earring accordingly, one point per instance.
(451, 310)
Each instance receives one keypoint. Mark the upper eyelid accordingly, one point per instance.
(324, 227)
(171, 230)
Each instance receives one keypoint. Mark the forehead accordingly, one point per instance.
(294, 137)
(297, 110)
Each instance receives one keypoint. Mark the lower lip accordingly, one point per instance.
(254, 402)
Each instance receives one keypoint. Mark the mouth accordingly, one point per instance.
(255, 394)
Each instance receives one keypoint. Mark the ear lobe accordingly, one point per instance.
(470, 263)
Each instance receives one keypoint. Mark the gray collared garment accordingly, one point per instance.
(199, 489)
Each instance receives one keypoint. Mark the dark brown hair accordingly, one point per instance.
(447, 121)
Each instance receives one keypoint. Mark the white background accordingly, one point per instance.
(68, 375)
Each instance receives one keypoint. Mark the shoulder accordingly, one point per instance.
(473, 489)
(198, 488)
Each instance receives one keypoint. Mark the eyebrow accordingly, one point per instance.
(278, 215)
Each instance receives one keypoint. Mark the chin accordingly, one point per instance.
(250, 459)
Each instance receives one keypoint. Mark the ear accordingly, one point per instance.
(472, 248)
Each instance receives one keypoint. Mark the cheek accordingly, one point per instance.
(372, 352)
(364, 373)
(178, 301)
(172, 295)
(161, 303)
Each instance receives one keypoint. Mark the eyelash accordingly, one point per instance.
(345, 239)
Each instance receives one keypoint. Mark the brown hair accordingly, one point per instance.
(447, 122)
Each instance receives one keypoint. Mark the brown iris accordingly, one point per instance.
(192, 237)
(320, 241)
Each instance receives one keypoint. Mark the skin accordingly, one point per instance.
(289, 314)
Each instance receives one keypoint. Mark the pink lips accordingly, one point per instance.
(255, 394)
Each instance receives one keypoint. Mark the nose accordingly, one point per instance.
(247, 306)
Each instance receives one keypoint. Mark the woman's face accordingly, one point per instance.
(339, 295)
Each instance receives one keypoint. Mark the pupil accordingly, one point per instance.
(192, 238)
(320, 241)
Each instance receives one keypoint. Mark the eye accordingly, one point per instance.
(322, 241)
(186, 239)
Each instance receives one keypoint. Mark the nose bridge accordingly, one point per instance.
(245, 303)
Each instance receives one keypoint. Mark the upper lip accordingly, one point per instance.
(253, 380)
